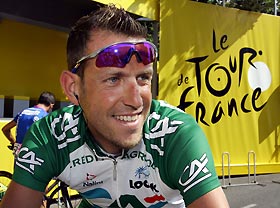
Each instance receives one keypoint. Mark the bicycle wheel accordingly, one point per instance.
(5, 179)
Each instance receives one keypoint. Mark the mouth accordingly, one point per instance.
(127, 118)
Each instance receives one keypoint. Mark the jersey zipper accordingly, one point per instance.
(115, 170)
(115, 175)
(115, 162)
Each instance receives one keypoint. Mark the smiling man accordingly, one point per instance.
(115, 145)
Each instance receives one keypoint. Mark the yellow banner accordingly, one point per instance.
(148, 9)
(6, 156)
(222, 66)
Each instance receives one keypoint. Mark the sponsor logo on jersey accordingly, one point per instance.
(142, 156)
(143, 184)
(153, 199)
(90, 180)
(90, 176)
(27, 160)
(65, 129)
(142, 172)
(164, 126)
(195, 172)
(82, 160)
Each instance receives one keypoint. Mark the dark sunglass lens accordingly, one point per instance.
(113, 56)
(119, 55)
(146, 52)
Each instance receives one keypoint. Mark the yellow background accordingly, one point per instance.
(32, 59)
(6, 155)
(187, 32)
(145, 8)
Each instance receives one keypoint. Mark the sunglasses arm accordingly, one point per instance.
(75, 69)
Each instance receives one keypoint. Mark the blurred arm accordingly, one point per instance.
(7, 131)
(21, 197)
(213, 199)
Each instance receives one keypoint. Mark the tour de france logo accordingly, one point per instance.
(224, 84)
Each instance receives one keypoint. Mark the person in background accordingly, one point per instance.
(115, 145)
(24, 119)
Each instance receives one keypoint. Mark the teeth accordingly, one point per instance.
(127, 118)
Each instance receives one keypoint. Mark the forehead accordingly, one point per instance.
(100, 39)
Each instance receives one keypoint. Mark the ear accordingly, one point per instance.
(68, 80)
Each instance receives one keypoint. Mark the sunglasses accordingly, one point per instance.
(119, 54)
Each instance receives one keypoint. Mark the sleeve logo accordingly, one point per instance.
(65, 129)
(196, 172)
(162, 128)
(29, 159)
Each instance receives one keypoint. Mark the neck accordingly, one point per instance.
(43, 107)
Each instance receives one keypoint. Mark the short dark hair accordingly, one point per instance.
(107, 18)
(46, 98)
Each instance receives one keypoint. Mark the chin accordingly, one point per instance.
(129, 144)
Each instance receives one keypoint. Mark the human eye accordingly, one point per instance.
(112, 80)
(145, 78)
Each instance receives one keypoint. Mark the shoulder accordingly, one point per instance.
(165, 113)
(66, 122)
(31, 112)
(170, 129)
(68, 111)
(16, 117)
(63, 116)
(58, 120)
(166, 109)
(176, 138)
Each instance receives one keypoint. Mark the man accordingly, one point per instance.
(115, 145)
(24, 119)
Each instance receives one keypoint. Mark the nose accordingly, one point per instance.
(132, 94)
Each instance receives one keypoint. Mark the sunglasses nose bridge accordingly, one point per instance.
(131, 52)
(138, 57)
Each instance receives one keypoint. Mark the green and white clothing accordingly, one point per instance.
(171, 166)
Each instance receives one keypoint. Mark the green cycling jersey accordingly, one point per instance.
(170, 167)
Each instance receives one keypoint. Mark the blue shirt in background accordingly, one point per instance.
(25, 119)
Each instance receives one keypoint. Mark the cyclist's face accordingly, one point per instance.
(115, 101)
